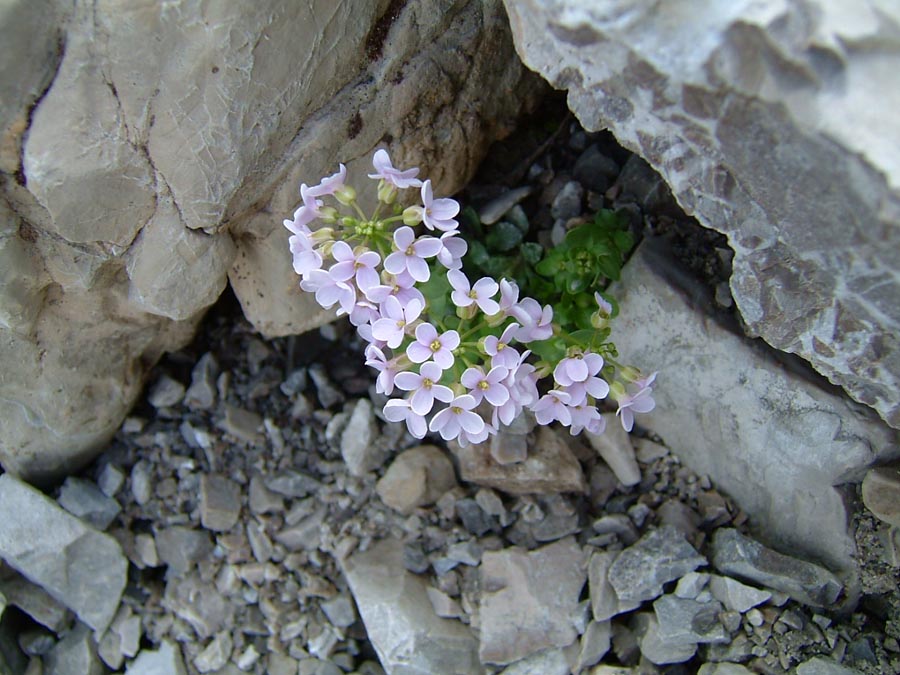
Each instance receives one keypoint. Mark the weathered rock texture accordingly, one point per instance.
(149, 153)
(774, 123)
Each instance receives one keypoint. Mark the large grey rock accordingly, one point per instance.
(150, 152)
(529, 600)
(409, 637)
(769, 437)
(773, 123)
(82, 568)
(737, 555)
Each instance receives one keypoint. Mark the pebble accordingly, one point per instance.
(110, 480)
(220, 502)
(567, 203)
(655, 648)
(881, 493)
(358, 447)
(614, 446)
(724, 669)
(329, 395)
(263, 500)
(34, 530)
(686, 621)
(690, 585)
(141, 487)
(819, 665)
(495, 209)
(594, 170)
(216, 654)
(243, 425)
(181, 548)
(736, 596)
(201, 395)
(417, 477)
(292, 484)
(165, 393)
(737, 555)
(660, 556)
(595, 643)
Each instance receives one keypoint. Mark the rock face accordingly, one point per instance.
(149, 154)
(773, 123)
(767, 436)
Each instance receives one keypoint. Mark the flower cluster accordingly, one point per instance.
(460, 354)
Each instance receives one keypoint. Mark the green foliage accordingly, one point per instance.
(565, 277)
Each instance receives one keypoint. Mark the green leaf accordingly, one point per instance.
(498, 266)
(469, 221)
(503, 236)
(437, 291)
(623, 241)
(551, 350)
(532, 252)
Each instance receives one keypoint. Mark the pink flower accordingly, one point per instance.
(386, 172)
(430, 345)
(640, 402)
(399, 410)
(452, 251)
(391, 327)
(522, 381)
(536, 321)
(465, 438)
(509, 295)
(349, 264)
(554, 405)
(411, 254)
(644, 382)
(577, 368)
(387, 370)
(586, 417)
(457, 417)
(304, 214)
(330, 184)
(305, 258)
(425, 387)
(481, 293)
(364, 313)
(488, 386)
(329, 291)
(603, 306)
(438, 213)
(499, 350)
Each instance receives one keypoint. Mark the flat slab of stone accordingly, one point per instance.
(764, 434)
(80, 567)
(737, 555)
(529, 600)
(401, 623)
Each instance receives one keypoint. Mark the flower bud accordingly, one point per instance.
(387, 193)
(348, 221)
(412, 216)
(322, 235)
(328, 214)
(465, 313)
(617, 390)
(495, 320)
(599, 321)
(630, 373)
(345, 194)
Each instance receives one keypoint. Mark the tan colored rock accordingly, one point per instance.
(773, 123)
(549, 468)
(417, 477)
(151, 150)
(881, 493)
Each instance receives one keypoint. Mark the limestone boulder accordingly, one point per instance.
(149, 153)
(774, 123)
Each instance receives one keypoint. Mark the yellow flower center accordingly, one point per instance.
(484, 385)
(435, 346)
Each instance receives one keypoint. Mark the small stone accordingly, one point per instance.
(490, 502)
(656, 649)
(443, 604)
(567, 203)
(820, 665)
(594, 170)
(595, 644)
(340, 611)
(547, 662)
(647, 452)
(82, 568)
(690, 585)
(317, 667)
(201, 395)
(675, 513)
(618, 524)
(329, 395)
(305, 534)
(465, 552)
(742, 557)
(141, 485)
(528, 600)
(724, 669)
(605, 604)
(683, 621)
(248, 659)
(292, 484)
(181, 547)
(639, 572)
(755, 618)
(736, 596)
(731, 620)
(243, 425)
(75, 654)
(508, 447)
(35, 602)
(220, 502)
(495, 209)
(417, 477)
(414, 559)
(614, 446)
(881, 493)
(281, 664)
(262, 499)
(165, 393)
(713, 508)
(550, 467)
(358, 447)
(400, 620)
(145, 550)
(166, 660)
(475, 520)
(259, 541)
(110, 480)
(216, 654)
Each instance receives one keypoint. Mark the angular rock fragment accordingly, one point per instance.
(605, 604)
(84, 499)
(201, 395)
(684, 621)
(220, 502)
(595, 644)
(418, 476)
(654, 647)
(742, 557)
(614, 446)
(736, 596)
(724, 669)
(400, 621)
(548, 662)
(358, 448)
(292, 484)
(166, 660)
(529, 600)
(820, 665)
(640, 571)
(82, 568)
(74, 654)
(181, 547)
(35, 602)
(881, 493)
(549, 468)
(262, 499)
